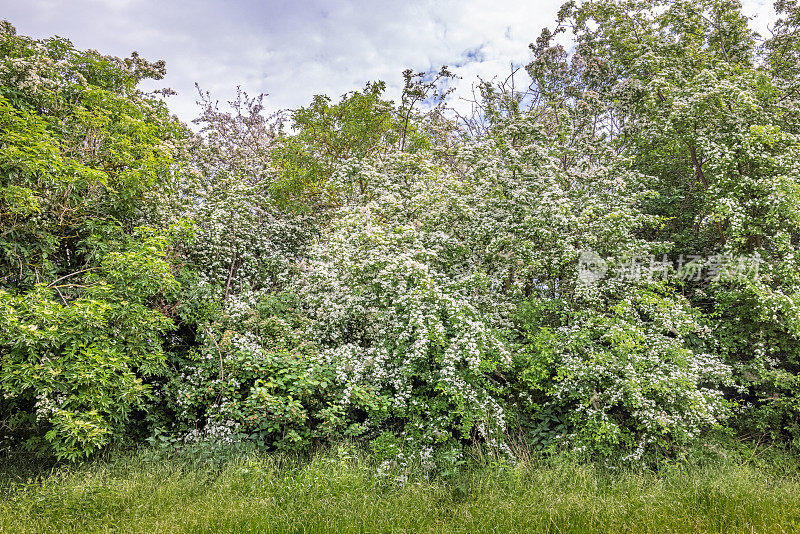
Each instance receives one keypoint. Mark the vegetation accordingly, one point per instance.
(341, 491)
(602, 267)
(81, 277)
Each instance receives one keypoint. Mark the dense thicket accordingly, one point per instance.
(604, 262)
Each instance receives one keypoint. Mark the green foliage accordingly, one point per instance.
(72, 371)
(79, 144)
(255, 379)
(81, 150)
(360, 125)
(402, 276)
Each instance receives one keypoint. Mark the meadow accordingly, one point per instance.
(342, 491)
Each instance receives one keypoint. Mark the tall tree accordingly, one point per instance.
(81, 287)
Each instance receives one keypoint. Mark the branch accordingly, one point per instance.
(72, 274)
(698, 167)
(219, 351)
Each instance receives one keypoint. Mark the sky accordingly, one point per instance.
(294, 50)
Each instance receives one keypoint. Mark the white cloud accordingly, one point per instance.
(293, 50)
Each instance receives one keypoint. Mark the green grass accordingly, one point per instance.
(271, 493)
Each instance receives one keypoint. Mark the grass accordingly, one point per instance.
(141, 492)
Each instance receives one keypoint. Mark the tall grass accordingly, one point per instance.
(140, 492)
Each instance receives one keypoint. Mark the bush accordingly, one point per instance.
(72, 371)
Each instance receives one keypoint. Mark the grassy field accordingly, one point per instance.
(142, 492)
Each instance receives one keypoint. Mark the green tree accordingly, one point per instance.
(709, 119)
(82, 154)
(326, 135)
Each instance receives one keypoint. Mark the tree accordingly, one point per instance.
(82, 288)
(327, 135)
(711, 124)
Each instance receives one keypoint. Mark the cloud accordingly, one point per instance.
(294, 50)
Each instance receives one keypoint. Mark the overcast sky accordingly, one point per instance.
(294, 50)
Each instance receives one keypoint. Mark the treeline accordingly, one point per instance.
(605, 262)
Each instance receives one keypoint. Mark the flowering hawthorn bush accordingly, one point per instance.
(390, 319)
(382, 273)
(626, 372)
(621, 364)
(256, 378)
(708, 112)
(423, 300)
